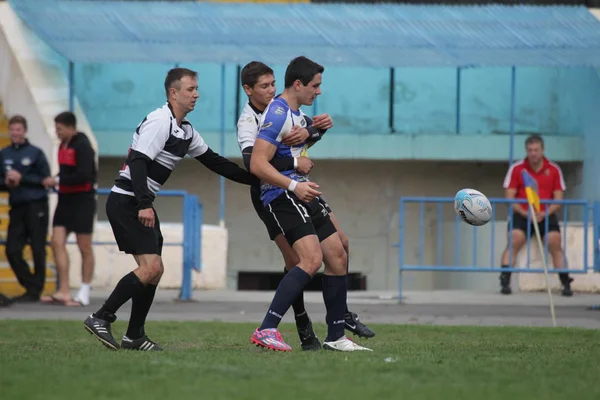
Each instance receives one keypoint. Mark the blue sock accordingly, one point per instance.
(288, 290)
(335, 294)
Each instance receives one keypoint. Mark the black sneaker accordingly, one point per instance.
(354, 325)
(141, 344)
(566, 290)
(308, 337)
(505, 283)
(101, 329)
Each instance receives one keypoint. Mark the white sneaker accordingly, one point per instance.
(344, 344)
(82, 299)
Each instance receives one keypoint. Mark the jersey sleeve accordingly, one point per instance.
(272, 125)
(511, 181)
(152, 133)
(247, 129)
(198, 145)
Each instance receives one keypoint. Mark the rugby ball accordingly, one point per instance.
(472, 207)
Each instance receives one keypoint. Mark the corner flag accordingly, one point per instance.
(531, 189)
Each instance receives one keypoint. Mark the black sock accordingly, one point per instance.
(289, 288)
(140, 306)
(300, 313)
(334, 295)
(127, 287)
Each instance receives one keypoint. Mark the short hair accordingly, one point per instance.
(534, 139)
(66, 118)
(302, 69)
(18, 119)
(175, 75)
(253, 71)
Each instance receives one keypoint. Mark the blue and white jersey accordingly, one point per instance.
(276, 122)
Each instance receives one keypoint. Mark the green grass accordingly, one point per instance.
(59, 360)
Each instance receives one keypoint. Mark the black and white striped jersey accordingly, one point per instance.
(247, 126)
(165, 143)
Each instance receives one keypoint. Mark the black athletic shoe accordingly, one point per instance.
(101, 329)
(505, 283)
(566, 287)
(354, 325)
(308, 337)
(141, 344)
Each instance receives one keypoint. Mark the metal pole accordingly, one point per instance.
(392, 100)
(71, 86)
(222, 179)
(458, 70)
(513, 80)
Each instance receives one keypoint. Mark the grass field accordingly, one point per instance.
(60, 360)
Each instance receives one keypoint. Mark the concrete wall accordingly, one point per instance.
(363, 194)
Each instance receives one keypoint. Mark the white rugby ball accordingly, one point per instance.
(473, 207)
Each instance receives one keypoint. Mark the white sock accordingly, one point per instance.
(84, 293)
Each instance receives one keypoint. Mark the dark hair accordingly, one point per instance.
(534, 139)
(253, 71)
(18, 119)
(302, 69)
(174, 76)
(66, 118)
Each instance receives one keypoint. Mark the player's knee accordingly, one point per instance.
(554, 242)
(56, 244)
(517, 240)
(336, 262)
(311, 262)
(151, 269)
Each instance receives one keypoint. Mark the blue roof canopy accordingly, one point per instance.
(381, 35)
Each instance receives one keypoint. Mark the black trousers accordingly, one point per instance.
(28, 224)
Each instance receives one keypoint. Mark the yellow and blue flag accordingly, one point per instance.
(531, 189)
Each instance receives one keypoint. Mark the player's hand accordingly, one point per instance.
(49, 182)
(146, 217)
(322, 121)
(14, 175)
(306, 191)
(304, 165)
(297, 135)
(540, 216)
(10, 183)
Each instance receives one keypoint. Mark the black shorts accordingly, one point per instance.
(266, 217)
(520, 223)
(322, 201)
(131, 235)
(297, 219)
(76, 212)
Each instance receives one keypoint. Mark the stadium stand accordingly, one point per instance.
(8, 282)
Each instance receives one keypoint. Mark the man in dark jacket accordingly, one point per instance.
(76, 208)
(24, 168)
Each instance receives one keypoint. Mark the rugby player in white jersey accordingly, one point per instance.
(161, 140)
(296, 218)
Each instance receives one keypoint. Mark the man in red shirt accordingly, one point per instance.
(551, 186)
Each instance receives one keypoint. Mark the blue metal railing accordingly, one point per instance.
(192, 215)
(494, 259)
